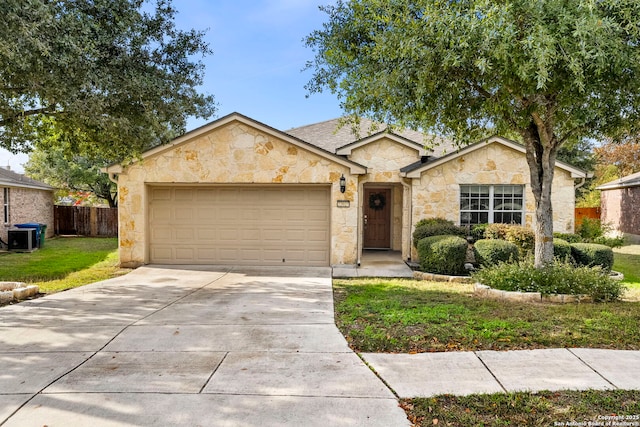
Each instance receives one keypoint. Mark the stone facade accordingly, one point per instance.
(234, 154)
(238, 151)
(437, 192)
(28, 205)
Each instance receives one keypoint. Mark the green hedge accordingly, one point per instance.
(437, 229)
(522, 237)
(561, 249)
(490, 251)
(592, 254)
(443, 254)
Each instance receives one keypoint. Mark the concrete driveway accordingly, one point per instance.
(188, 346)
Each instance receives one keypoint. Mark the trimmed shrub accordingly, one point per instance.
(437, 229)
(612, 242)
(477, 231)
(568, 237)
(557, 278)
(561, 249)
(443, 254)
(433, 221)
(592, 254)
(491, 251)
(496, 231)
(522, 237)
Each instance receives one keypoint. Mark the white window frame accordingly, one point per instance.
(491, 212)
(6, 195)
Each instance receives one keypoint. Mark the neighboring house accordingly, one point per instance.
(237, 191)
(620, 206)
(24, 200)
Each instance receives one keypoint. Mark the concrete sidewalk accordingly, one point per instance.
(376, 263)
(464, 373)
(198, 346)
(221, 346)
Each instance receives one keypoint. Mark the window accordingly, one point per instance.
(6, 205)
(486, 204)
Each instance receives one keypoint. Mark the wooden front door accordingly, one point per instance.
(377, 218)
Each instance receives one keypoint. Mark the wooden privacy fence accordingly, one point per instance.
(86, 221)
(582, 213)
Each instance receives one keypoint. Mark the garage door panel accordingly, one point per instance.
(240, 225)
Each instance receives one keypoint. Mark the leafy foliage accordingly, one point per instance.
(436, 227)
(556, 278)
(443, 254)
(590, 254)
(490, 251)
(72, 172)
(551, 73)
(561, 249)
(520, 236)
(109, 75)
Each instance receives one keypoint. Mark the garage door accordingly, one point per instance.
(239, 225)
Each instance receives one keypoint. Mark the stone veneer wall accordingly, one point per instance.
(437, 193)
(234, 154)
(384, 159)
(28, 205)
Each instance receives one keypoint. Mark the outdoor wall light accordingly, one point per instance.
(343, 184)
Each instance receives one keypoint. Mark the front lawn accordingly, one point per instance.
(566, 408)
(627, 261)
(385, 315)
(63, 263)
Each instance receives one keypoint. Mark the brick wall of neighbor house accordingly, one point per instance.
(29, 205)
(384, 159)
(620, 209)
(238, 154)
(437, 193)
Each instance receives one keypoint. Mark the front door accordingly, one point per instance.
(377, 218)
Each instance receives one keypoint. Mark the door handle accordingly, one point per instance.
(365, 220)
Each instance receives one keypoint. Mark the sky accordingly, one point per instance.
(257, 62)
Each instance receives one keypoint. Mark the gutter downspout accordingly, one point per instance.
(581, 183)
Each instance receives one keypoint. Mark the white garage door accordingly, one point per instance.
(285, 225)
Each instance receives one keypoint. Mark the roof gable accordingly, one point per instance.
(355, 168)
(415, 170)
(347, 149)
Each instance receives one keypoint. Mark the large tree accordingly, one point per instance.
(113, 76)
(548, 71)
(73, 173)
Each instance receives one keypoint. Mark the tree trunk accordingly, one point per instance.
(541, 157)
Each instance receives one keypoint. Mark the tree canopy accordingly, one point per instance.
(548, 71)
(72, 173)
(115, 76)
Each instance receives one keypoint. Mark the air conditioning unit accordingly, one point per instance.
(23, 239)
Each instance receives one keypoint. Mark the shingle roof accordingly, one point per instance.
(632, 180)
(335, 133)
(9, 178)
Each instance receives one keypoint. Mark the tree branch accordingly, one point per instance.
(26, 113)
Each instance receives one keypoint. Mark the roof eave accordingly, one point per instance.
(354, 168)
(576, 173)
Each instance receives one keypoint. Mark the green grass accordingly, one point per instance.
(63, 263)
(526, 409)
(379, 315)
(626, 260)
